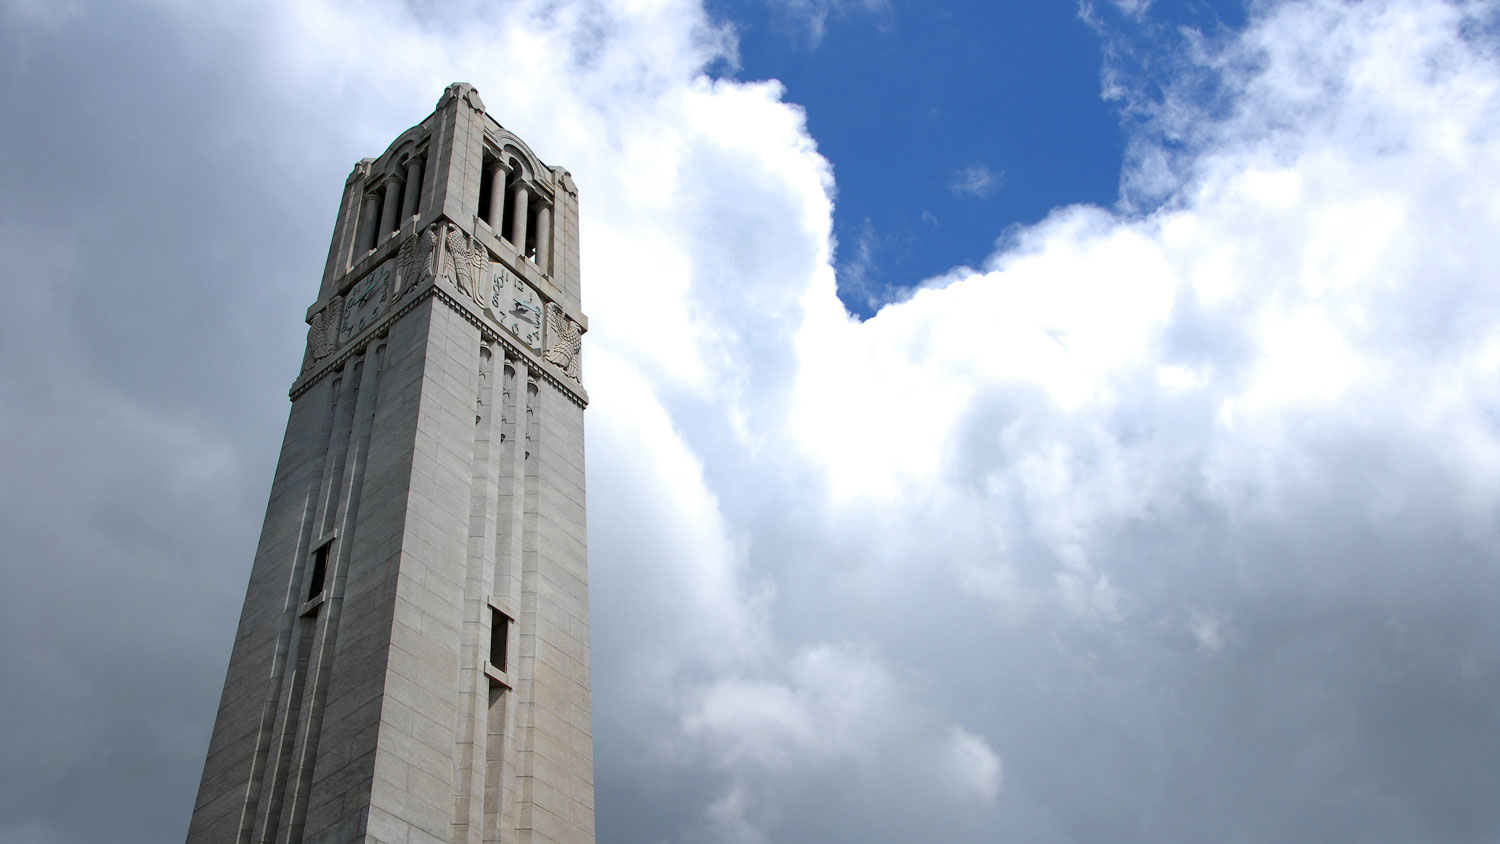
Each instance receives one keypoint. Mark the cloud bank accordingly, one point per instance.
(1171, 521)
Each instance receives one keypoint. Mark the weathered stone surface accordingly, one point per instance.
(430, 478)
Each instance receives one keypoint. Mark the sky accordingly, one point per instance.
(1036, 422)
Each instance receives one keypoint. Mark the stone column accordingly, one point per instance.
(388, 219)
(369, 224)
(544, 238)
(496, 212)
(413, 201)
(518, 218)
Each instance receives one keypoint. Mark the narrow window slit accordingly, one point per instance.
(499, 636)
(507, 214)
(532, 224)
(319, 571)
(486, 190)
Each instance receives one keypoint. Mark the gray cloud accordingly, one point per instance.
(1174, 523)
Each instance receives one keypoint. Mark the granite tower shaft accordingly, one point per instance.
(412, 660)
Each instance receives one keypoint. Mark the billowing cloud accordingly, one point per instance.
(1171, 521)
(836, 718)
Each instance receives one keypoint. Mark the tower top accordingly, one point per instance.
(462, 91)
(456, 206)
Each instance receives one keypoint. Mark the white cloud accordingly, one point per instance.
(859, 276)
(1302, 268)
(813, 15)
(1273, 395)
(839, 714)
(973, 766)
(976, 180)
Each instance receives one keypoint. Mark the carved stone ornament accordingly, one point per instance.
(322, 333)
(414, 261)
(514, 304)
(462, 91)
(465, 261)
(566, 341)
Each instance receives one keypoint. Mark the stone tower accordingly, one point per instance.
(412, 660)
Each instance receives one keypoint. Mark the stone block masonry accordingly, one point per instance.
(412, 659)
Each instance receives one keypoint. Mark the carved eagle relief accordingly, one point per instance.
(414, 261)
(469, 260)
(567, 341)
(322, 333)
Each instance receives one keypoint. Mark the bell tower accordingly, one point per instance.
(412, 660)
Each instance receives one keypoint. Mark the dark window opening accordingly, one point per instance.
(319, 572)
(499, 634)
(486, 194)
(400, 201)
(531, 228)
(508, 216)
(369, 222)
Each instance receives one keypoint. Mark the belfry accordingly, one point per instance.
(412, 660)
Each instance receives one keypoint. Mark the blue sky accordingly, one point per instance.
(998, 106)
(1148, 493)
